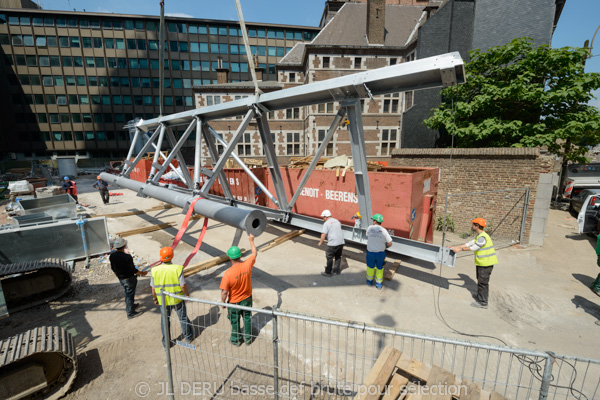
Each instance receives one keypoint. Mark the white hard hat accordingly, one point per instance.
(326, 213)
(119, 242)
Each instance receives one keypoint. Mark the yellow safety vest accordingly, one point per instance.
(486, 256)
(166, 277)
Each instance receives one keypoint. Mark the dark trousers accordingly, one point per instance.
(105, 196)
(333, 252)
(483, 280)
(234, 316)
(129, 285)
(184, 321)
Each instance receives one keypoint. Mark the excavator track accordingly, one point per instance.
(33, 283)
(38, 363)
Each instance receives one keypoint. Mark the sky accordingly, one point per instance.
(578, 21)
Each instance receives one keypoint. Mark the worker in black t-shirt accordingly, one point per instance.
(122, 265)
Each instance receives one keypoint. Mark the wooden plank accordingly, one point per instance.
(282, 239)
(472, 391)
(396, 386)
(496, 396)
(389, 270)
(204, 265)
(146, 229)
(122, 214)
(414, 368)
(443, 380)
(380, 374)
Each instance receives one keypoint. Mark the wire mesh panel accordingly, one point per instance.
(294, 356)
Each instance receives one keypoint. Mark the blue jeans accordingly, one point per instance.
(184, 321)
(129, 285)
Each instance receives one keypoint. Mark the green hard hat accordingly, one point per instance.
(378, 218)
(234, 252)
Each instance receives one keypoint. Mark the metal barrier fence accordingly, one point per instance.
(295, 356)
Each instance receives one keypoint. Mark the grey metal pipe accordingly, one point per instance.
(253, 222)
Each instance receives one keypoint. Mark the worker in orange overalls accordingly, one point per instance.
(70, 187)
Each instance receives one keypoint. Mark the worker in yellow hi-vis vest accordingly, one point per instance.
(169, 278)
(485, 259)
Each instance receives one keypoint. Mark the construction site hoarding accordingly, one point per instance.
(404, 196)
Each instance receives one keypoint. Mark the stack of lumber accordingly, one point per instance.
(251, 162)
(398, 377)
(304, 162)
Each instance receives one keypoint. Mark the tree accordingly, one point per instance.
(520, 95)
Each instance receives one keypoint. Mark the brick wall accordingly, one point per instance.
(479, 170)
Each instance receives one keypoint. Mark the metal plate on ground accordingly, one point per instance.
(61, 239)
(61, 206)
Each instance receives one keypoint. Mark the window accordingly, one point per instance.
(408, 100)
(329, 150)
(74, 41)
(120, 44)
(141, 44)
(293, 143)
(131, 44)
(63, 41)
(86, 42)
(44, 61)
(210, 100)
(244, 147)
(393, 61)
(388, 141)
(97, 43)
(61, 100)
(47, 80)
(17, 40)
(357, 62)
(292, 77)
(292, 113)
(325, 62)
(100, 62)
(390, 106)
(51, 41)
(152, 44)
(40, 41)
(54, 61)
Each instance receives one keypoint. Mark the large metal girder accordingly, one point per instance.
(442, 70)
(253, 221)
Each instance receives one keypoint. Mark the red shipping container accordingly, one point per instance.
(142, 169)
(405, 197)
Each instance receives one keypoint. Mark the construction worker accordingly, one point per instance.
(332, 230)
(236, 288)
(169, 277)
(485, 259)
(378, 239)
(70, 187)
(122, 265)
(102, 186)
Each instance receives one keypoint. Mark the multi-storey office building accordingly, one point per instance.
(70, 80)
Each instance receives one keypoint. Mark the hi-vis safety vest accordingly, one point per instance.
(486, 256)
(166, 277)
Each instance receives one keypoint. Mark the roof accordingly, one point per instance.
(401, 22)
(349, 26)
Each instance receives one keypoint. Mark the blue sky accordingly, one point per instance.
(579, 19)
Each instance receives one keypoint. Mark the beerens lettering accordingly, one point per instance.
(337, 195)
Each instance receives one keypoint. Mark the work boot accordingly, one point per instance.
(379, 286)
(369, 282)
(134, 314)
(337, 271)
(477, 304)
(136, 305)
(326, 274)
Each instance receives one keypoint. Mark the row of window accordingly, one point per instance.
(138, 44)
(84, 99)
(88, 135)
(172, 27)
(113, 81)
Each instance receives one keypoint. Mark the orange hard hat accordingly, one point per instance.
(98, 177)
(166, 254)
(479, 221)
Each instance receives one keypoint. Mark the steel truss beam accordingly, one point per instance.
(443, 70)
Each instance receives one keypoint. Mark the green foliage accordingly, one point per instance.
(450, 226)
(519, 95)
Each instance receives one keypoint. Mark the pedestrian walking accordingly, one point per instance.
(102, 187)
(70, 187)
(236, 288)
(168, 277)
(485, 259)
(122, 265)
(332, 230)
(378, 239)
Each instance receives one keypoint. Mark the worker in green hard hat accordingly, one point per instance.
(378, 239)
(236, 288)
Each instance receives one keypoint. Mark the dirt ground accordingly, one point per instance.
(540, 296)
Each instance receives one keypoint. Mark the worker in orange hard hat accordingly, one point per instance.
(102, 186)
(168, 278)
(485, 259)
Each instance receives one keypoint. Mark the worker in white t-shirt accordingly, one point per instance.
(378, 239)
(332, 230)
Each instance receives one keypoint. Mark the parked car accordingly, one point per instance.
(587, 205)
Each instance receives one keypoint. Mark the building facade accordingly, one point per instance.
(71, 80)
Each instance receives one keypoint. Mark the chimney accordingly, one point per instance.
(376, 21)
(259, 74)
(222, 73)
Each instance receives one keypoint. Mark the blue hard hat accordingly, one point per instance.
(66, 178)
